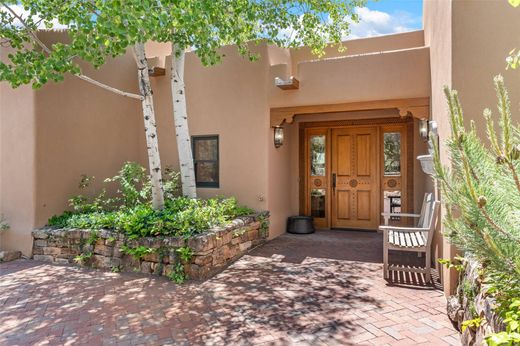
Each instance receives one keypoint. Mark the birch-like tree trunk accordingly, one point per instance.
(150, 127)
(180, 119)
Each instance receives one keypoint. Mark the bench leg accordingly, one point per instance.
(428, 272)
(385, 260)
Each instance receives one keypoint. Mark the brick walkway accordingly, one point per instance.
(321, 289)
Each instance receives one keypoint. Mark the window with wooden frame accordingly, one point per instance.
(206, 160)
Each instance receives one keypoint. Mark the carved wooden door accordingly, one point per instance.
(355, 178)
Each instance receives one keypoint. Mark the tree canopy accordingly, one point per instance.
(99, 29)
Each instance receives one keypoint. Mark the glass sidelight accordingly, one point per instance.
(318, 203)
(317, 149)
(394, 175)
(392, 153)
(316, 176)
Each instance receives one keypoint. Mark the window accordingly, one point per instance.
(205, 159)
(392, 151)
(317, 155)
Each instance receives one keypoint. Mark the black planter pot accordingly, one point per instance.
(300, 225)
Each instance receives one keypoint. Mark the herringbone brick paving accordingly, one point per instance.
(320, 289)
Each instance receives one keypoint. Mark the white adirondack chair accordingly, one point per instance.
(416, 239)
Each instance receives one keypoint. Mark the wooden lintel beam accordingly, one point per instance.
(417, 107)
(156, 71)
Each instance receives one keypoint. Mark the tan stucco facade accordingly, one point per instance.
(51, 136)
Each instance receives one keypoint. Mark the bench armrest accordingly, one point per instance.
(401, 214)
(403, 229)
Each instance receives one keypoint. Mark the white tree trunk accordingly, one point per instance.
(180, 119)
(150, 127)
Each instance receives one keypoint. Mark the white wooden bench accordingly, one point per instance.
(416, 239)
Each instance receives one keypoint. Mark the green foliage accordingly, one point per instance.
(4, 226)
(513, 60)
(457, 263)
(93, 237)
(83, 258)
(178, 275)
(264, 225)
(511, 336)
(137, 252)
(482, 189)
(98, 30)
(185, 253)
(134, 187)
(474, 323)
(482, 196)
(131, 211)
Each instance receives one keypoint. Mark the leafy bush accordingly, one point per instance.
(4, 226)
(130, 210)
(482, 196)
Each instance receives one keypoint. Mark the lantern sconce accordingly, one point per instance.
(427, 128)
(278, 136)
(424, 128)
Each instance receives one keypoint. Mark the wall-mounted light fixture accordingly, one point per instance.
(424, 128)
(427, 128)
(278, 136)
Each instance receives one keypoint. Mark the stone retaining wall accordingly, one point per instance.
(211, 251)
(470, 301)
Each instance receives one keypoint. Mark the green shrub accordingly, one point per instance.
(4, 226)
(131, 211)
(482, 196)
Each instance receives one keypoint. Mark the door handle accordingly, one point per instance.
(333, 182)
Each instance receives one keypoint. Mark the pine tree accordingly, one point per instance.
(481, 190)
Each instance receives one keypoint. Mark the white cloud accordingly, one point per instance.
(376, 23)
(20, 11)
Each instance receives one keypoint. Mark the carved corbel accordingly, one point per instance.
(418, 112)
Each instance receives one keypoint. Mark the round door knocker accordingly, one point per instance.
(391, 183)
(353, 183)
(317, 182)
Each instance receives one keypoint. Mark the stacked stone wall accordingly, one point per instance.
(211, 251)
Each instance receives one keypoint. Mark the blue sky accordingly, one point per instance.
(384, 17)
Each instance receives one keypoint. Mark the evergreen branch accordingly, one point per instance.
(491, 131)
(496, 227)
(515, 175)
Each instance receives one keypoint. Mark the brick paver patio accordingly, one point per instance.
(320, 289)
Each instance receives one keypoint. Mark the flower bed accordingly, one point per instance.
(196, 257)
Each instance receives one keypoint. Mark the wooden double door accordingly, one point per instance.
(346, 182)
(355, 183)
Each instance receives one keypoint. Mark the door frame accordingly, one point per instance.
(407, 163)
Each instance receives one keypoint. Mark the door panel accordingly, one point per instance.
(343, 202)
(363, 154)
(354, 164)
(363, 205)
(344, 148)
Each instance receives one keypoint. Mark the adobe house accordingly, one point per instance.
(336, 114)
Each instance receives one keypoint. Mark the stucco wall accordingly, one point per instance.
(17, 165)
(392, 42)
(226, 100)
(83, 129)
(480, 54)
(389, 75)
(468, 41)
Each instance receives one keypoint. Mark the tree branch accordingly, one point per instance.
(79, 75)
